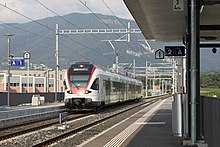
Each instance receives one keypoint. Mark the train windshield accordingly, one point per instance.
(79, 74)
(79, 81)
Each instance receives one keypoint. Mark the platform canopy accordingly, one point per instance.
(159, 20)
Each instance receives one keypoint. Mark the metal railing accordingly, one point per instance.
(22, 98)
(211, 120)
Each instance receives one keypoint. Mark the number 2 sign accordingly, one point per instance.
(178, 5)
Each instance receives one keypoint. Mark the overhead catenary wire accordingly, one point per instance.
(21, 29)
(84, 4)
(42, 25)
(74, 24)
(116, 16)
(113, 13)
(102, 22)
(43, 5)
(62, 17)
(47, 26)
(26, 17)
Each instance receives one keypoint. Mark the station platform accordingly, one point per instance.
(18, 114)
(151, 127)
(5, 109)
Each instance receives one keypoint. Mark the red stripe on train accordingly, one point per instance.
(93, 69)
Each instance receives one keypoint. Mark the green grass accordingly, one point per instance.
(210, 92)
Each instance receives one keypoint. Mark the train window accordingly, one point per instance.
(116, 86)
(95, 84)
(50, 85)
(79, 80)
(108, 87)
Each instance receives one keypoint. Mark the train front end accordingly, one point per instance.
(78, 80)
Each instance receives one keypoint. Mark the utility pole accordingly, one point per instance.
(57, 61)
(154, 83)
(146, 88)
(46, 75)
(116, 56)
(173, 84)
(195, 69)
(162, 87)
(27, 57)
(9, 63)
(134, 68)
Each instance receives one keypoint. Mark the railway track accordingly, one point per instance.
(89, 125)
(24, 129)
(30, 127)
(13, 131)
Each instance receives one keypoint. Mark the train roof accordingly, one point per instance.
(109, 72)
(118, 76)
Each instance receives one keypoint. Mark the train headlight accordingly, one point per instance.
(88, 91)
(70, 92)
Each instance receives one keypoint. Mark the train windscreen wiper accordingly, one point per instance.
(75, 85)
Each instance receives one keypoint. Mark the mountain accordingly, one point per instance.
(209, 60)
(38, 37)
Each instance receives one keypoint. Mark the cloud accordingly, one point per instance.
(33, 10)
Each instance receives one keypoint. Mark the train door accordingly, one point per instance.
(102, 92)
(95, 95)
(107, 91)
(123, 92)
(126, 91)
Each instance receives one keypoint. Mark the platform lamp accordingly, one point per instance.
(9, 63)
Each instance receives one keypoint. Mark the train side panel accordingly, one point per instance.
(89, 87)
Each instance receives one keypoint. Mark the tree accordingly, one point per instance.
(211, 80)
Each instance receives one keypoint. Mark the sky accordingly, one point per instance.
(34, 10)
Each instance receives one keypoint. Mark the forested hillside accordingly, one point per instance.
(211, 80)
(40, 42)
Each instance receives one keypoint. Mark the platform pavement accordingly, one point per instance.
(10, 116)
(151, 127)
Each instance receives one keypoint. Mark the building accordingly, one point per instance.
(36, 81)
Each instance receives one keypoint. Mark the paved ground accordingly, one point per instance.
(158, 131)
(151, 127)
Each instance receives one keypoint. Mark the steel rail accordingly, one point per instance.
(33, 126)
(84, 127)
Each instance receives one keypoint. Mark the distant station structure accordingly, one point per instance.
(34, 81)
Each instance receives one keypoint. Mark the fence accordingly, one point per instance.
(22, 98)
(211, 120)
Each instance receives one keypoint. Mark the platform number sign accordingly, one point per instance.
(178, 5)
(159, 54)
(17, 62)
(27, 55)
(174, 51)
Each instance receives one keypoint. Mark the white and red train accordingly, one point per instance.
(91, 87)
